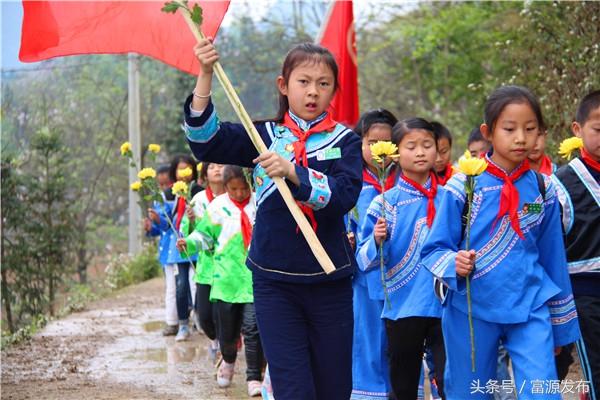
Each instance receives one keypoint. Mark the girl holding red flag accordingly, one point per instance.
(370, 373)
(304, 315)
(520, 292)
(226, 230)
(412, 312)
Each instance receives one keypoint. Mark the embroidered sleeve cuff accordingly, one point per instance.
(200, 128)
(563, 316)
(368, 256)
(445, 269)
(314, 190)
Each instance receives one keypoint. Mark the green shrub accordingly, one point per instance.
(125, 270)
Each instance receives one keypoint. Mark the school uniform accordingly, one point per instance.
(168, 269)
(221, 233)
(304, 315)
(578, 188)
(412, 313)
(184, 264)
(370, 371)
(204, 270)
(520, 289)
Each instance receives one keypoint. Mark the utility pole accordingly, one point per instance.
(135, 217)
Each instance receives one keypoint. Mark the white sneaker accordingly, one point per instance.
(183, 333)
(225, 374)
(254, 388)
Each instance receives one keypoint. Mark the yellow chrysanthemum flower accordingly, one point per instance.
(185, 172)
(154, 148)
(382, 149)
(125, 148)
(199, 167)
(135, 186)
(471, 166)
(180, 188)
(147, 173)
(568, 146)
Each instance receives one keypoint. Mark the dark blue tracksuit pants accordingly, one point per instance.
(306, 331)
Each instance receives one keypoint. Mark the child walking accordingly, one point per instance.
(304, 315)
(226, 229)
(182, 168)
(578, 187)
(412, 312)
(538, 159)
(520, 290)
(370, 372)
(443, 164)
(212, 176)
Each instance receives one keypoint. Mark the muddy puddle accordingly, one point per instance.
(144, 357)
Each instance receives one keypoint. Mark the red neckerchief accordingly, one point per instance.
(587, 158)
(509, 198)
(369, 177)
(430, 194)
(326, 125)
(445, 176)
(209, 194)
(245, 224)
(180, 211)
(546, 165)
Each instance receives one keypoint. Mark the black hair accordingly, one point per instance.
(476, 136)
(505, 95)
(186, 159)
(402, 128)
(441, 131)
(204, 171)
(163, 169)
(299, 54)
(590, 102)
(372, 117)
(233, 172)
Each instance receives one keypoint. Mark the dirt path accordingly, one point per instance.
(115, 350)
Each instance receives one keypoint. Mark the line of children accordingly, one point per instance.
(304, 315)
(521, 293)
(412, 312)
(520, 290)
(370, 372)
(226, 231)
(578, 187)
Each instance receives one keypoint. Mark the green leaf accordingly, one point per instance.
(148, 197)
(170, 7)
(196, 14)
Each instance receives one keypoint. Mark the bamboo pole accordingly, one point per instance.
(310, 236)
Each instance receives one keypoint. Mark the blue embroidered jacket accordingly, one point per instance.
(165, 238)
(330, 186)
(512, 276)
(370, 279)
(409, 284)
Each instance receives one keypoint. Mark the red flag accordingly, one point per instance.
(63, 28)
(337, 34)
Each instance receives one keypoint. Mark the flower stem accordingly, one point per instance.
(381, 174)
(470, 189)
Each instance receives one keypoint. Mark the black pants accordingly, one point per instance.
(406, 343)
(233, 318)
(205, 310)
(588, 310)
